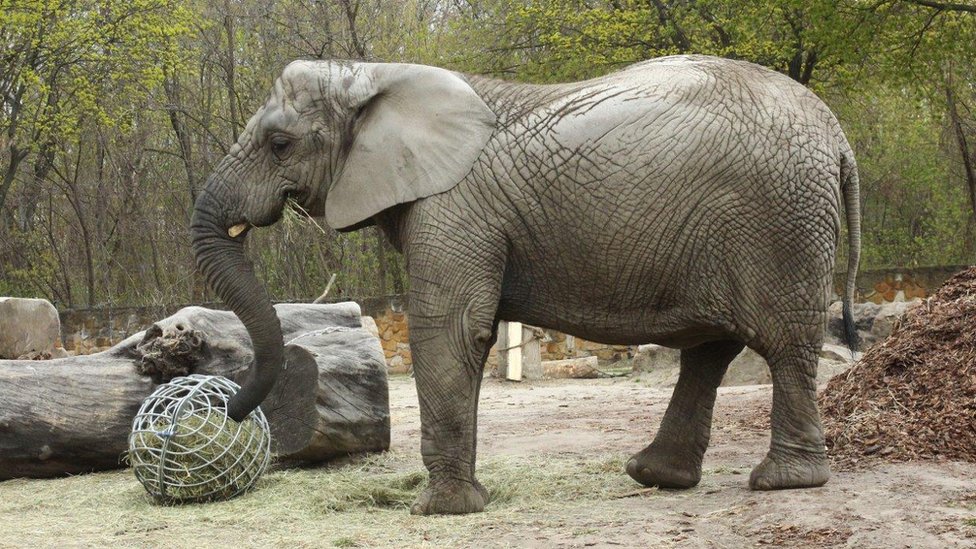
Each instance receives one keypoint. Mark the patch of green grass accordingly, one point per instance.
(970, 522)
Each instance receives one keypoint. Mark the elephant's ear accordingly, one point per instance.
(418, 132)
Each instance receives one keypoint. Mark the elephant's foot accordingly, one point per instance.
(654, 467)
(452, 497)
(790, 469)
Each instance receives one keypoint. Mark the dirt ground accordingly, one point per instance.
(888, 505)
(552, 453)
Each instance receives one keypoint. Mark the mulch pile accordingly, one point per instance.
(912, 396)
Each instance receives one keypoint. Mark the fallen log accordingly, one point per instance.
(73, 415)
(571, 368)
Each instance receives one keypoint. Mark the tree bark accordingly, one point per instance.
(352, 12)
(175, 102)
(17, 155)
(381, 259)
(74, 415)
(962, 141)
(944, 6)
(230, 69)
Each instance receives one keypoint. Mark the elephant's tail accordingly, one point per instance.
(850, 187)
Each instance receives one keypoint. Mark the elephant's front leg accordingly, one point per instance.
(449, 339)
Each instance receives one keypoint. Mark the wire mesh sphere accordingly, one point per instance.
(184, 448)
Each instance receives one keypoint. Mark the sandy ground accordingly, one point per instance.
(552, 453)
(886, 505)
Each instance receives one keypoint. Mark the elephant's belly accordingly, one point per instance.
(606, 311)
(669, 328)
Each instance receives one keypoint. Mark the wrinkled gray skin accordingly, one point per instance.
(693, 202)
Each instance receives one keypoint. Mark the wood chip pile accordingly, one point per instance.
(912, 396)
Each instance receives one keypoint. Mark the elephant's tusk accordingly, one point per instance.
(236, 230)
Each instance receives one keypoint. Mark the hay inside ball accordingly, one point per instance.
(184, 448)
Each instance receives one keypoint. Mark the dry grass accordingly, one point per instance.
(359, 504)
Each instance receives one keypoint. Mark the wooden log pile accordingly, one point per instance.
(73, 415)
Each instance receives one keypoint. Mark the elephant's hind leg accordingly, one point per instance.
(797, 457)
(674, 459)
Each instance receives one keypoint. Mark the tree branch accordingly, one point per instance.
(944, 6)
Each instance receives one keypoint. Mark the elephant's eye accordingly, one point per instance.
(280, 145)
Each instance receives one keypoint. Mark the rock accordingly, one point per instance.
(59, 352)
(660, 377)
(874, 322)
(369, 324)
(397, 365)
(838, 353)
(663, 364)
(659, 366)
(571, 368)
(747, 369)
(27, 325)
(827, 369)
(655, 357)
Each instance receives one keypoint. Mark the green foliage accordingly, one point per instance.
(32, 273)
(113, 113)
(555, 40)
(72, 61)
(914, 212)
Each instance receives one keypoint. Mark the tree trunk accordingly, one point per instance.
(74, 415)
(16, 157)
(962, 141)
(175, 102)
(381, 259)
(352, 12)
(230, 69)
(571, 368)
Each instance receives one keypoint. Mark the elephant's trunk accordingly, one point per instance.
(230, 274)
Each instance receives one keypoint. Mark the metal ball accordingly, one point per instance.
(184, 448)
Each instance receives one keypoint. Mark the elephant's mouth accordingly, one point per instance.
(300, 201)
(297, 200)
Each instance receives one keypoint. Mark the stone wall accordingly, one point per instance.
(394, 336)
(86, 331)
(877, 286)
(90, 330)
(895, 285)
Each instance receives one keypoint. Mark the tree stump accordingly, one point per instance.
(73, 415)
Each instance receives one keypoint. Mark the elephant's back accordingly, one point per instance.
(659, 127)
(692, 98)
(661, 179)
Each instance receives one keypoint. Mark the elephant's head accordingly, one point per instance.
(347, 140)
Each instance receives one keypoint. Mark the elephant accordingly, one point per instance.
(689, 201)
